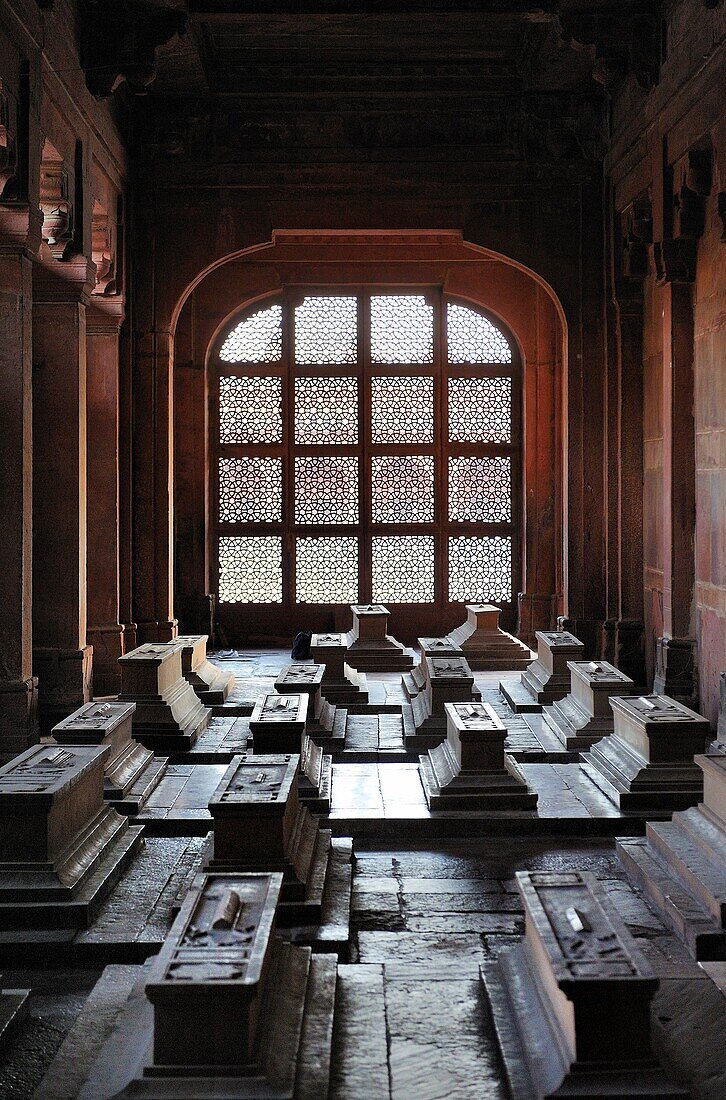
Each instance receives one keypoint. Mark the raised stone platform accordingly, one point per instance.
(547, 678)
(647, 763)
(585, 715)
(211, 683)
(484, 644)
(681, 866)
(62, 848)
(168, 717)
(370, 647)
(341, 683)
(448, 680)
(131, 771)
(571, 1005)
(469, 771)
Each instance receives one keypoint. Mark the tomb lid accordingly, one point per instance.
(474, 716)
(323, 641)
(255, 780)
(280, 708)
(448, 668)
(47, 769)
(559, 639)
(152, 652)
(359, 609)
(189, 640)
(220, 937)
(106, 716)
(596, 671)
(479, 608)
(309, 675)
(432, 645)
(656, 708)
(582, 933)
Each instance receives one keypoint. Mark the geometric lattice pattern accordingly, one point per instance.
(480, 490)
(326, 570)
(326, 410)
(250, 490)
(402, 489)
(257, 339)
(402, 569)
(402, 329)
(250, 409)
(472, 338)
(326, 330)
(326, 489)
(480, 569)
(250, 569)
(402, 409)
(480, 410)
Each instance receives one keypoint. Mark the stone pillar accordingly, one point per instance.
(61, 658)
(105, 631)
(676, 665)
(18, 686)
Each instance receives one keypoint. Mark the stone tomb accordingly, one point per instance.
(681, 866)
(131, 771)
(585, 715)
(341, 684)
(229, 1009)
(210, 683)
(571, 1004)
(547, 678)
(646, 764)
(277, 723)
(414, 681)
(260, 824)
(169, 717)
(470, 771)
(370, 647)
(484, 644)
(62, 848)
(448, 680)
(315, 778)
(322, 720)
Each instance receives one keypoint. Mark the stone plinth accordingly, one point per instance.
(315, 777)
(585, 715)
(547, 679)
(572, 1003)
(370, 647)
(484, 645)
(438, 647)
(62, 847)
(206, 982)
(259, 824)
(414, 681)
(470, 771)
(681, 866)
(341, 684)
(305, 679)
(277, 723)
(210, 683)
(448, 680)
(169, 717)
(647, 764)
(131, 771)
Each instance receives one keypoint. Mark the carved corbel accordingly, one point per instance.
(675, 260)
(57, 210)
(8, 144)
(693, 176)
(120, 43)
(103, 252)
(637, 236)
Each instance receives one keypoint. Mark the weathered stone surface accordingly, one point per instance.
(647, 762)
(469, 771)
(212, 684)
(131, 771)
(370, 647)
(584, 716)
(277, 723)
(168, 715)
(484, 644)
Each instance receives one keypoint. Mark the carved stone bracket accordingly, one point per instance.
(675, 260)
(8, 146)
(637, 234)
(120, 42)
(692, 183)
(620, 44)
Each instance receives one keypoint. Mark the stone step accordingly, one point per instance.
(703, 877)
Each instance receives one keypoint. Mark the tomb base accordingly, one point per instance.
(370, 648)
(646, 764)
(485, 646)
(518, 697)
(131, 771)
(584, 716)
(18, 717)
(169, 716)
(211, 684)
(571, 1005)
(681, 866)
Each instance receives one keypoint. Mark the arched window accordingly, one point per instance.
(365, 448)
